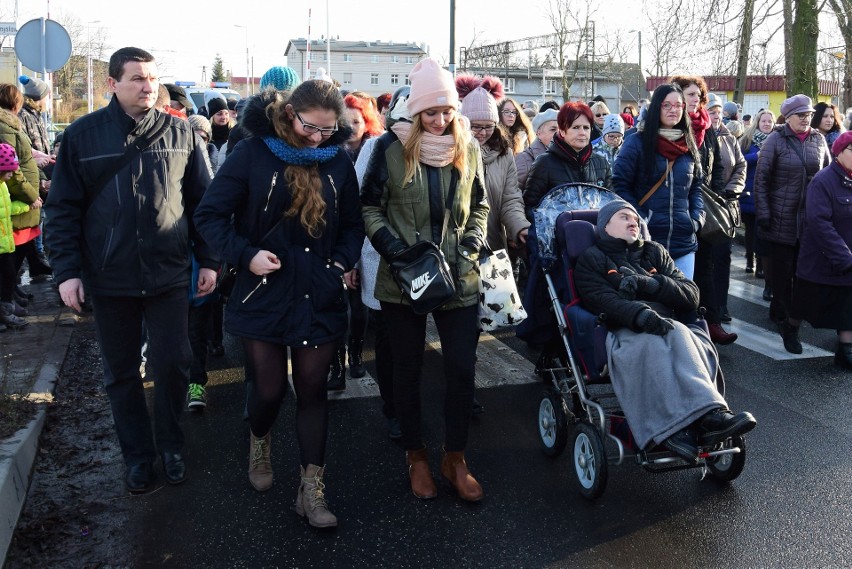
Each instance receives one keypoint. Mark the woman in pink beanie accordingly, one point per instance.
(429, 159)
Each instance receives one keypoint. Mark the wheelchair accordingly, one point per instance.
(578, 407)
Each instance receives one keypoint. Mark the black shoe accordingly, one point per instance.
(682, 443)
(140, 478)
(337, 377)
(749, 269)
(843, 356)
(724, 315)
(394, 430)
(790, 335)
(356, 363)
(721, 424)
(767, 293)
(477, 408)
(174, 467)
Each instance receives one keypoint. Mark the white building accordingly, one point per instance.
(374, 67)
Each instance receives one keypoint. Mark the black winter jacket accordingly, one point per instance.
(131, 238)
(302, 303)
(552, 169)
(598, 285)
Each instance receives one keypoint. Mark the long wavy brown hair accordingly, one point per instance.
(304, 181)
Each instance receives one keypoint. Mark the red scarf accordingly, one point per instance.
(578, 159)
(700, 123)
(671, 150)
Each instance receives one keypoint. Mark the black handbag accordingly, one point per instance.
(421, 271)
(721, 217)
(424, 276)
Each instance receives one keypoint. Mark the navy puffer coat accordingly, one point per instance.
(671, 210)
(302, 303)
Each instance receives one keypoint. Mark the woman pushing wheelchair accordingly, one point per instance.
(665, 373)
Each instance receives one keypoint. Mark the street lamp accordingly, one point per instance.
(248, 67)
(89, 90)
(641, 73)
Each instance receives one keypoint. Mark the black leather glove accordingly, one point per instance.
(652, 323)
(472, 242)
(633, 282)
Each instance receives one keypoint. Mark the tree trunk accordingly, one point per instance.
(843, 12)
(742, 58)
(802, 78)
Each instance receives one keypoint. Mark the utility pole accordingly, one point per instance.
(453, 37)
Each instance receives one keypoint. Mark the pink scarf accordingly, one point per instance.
(435, 150)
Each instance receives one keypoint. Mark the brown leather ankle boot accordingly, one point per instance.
(454, 469)
(422, 484)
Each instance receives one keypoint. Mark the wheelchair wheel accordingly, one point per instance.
(728, 466)
(589, 460)
(552, 422)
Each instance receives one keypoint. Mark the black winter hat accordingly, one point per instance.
(215, 105)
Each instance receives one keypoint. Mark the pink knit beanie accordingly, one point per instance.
(431, 86)
(479, 97)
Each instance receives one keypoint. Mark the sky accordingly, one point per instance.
(185, 37)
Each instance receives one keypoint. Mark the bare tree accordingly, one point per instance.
(843, 12)
(570, 20)
(674, 30)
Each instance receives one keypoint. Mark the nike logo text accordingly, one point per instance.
(420, 284)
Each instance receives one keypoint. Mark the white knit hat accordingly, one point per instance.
(612, 123)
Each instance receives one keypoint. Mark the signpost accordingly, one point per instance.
(43, 45)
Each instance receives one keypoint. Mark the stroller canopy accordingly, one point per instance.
(567, 197)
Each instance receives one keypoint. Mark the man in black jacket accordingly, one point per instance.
(119, 221)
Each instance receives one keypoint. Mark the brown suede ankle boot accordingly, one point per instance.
(260, 462)
(422, 484)
(454, 469)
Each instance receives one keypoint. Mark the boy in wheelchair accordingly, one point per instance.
(665, 373)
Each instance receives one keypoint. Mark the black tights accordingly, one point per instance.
(8, 276)
(268, 365)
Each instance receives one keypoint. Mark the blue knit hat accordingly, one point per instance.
(280, 78)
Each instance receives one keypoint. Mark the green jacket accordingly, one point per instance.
(24, 184)
(397, 216)
(7, 240)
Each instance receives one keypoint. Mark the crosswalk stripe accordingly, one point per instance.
(746, 291)
(764, 342)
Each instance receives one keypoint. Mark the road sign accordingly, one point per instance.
(8, 28)
(56, 44)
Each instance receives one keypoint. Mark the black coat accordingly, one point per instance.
(598, 286)
(132, 238)
(301, 304)
(553, 168)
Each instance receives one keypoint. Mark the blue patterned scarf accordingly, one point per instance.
(299, 156)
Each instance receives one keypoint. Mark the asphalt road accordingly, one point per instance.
(791, 507)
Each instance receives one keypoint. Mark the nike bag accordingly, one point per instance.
(499, 302)
(423, 275)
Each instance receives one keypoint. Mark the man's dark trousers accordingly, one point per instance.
(118, 320)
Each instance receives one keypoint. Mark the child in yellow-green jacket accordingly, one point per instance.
(10, 313)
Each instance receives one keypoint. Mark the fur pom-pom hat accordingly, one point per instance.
(479, 97)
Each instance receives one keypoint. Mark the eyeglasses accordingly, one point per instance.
(313, 129)
(509, 113)
(675, 106)
(599, 115)
(479, 128)
(805, 115)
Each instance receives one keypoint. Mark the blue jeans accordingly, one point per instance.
(686, 264)
(118, 320)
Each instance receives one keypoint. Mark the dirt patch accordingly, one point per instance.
(76, 513)
(15, 413)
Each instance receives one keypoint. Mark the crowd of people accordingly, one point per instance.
(309, 197)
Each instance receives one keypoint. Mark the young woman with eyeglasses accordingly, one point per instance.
(423, 160)
(663, 157)
(520, 129)
(789, 159)
(293, 195)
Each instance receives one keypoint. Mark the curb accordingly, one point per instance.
(18, 453)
